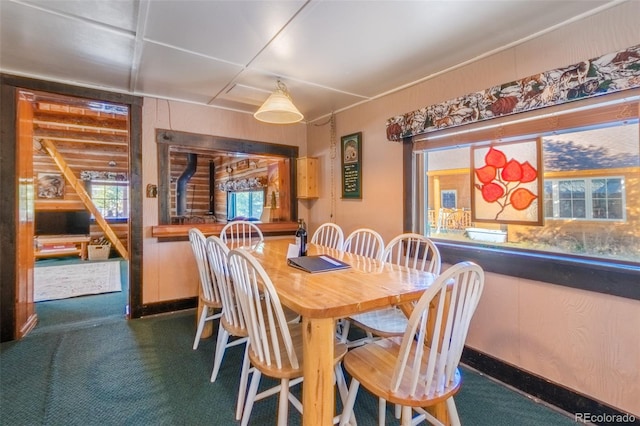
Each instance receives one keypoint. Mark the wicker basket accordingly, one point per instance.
(99, 251)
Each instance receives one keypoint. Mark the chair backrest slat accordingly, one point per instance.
(241, 233)
(266, 324)
(218, 252)
(209, 290)
(455, 294)
(329, 235)
(414, 251)
(365, 242)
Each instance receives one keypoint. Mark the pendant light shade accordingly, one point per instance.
(278, 108)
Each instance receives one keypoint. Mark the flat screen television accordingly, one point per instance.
(62, 222)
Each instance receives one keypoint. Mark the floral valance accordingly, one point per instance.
(606, 74)
(97, 175)
(245, 184)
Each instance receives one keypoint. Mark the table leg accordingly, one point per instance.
(318, 390)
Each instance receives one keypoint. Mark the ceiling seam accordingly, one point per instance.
(141, 26)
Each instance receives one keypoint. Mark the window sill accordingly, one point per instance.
(613, 278)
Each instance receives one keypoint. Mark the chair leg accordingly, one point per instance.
(346, 325)
(341, 383)
(244, 379)
(283, 402)
(221, 346)
(454, 419)
(201, 321)
(347, 410)
(251, 397)
(382, 411)
(407, 415)
(398, 411)
(343, 391)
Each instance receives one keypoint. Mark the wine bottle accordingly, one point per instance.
(301, 238)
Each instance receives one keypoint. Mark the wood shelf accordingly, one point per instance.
(70, 245)
(180, 232)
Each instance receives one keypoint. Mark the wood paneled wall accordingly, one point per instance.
(87, 140)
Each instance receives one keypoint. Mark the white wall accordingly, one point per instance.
(169, 271)
(585, 341)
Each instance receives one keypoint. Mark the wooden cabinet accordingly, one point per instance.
(307, 177)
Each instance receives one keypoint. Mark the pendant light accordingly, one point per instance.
(278, 108)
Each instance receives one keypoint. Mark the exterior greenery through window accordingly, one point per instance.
(591, 181)
(245, 204)
(111, 198)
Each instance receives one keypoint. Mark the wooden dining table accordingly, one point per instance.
(323, 298)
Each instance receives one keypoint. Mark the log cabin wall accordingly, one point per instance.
(197, 187)
(87, 140)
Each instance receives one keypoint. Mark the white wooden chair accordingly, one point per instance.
(241, 233)
(420, 368)
(232, 322)
(414, 251)
(275, 346)
(329, 235)
(365, 242)
(209, 296)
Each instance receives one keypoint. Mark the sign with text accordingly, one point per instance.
(351, 153)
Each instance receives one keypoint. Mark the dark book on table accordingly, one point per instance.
(319, 263)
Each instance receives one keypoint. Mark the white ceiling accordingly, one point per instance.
(330, 54)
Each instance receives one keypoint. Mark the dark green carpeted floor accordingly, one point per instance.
(109, 371)
(81, 311)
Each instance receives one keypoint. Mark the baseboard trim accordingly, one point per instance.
(549, 392)
(168, 306)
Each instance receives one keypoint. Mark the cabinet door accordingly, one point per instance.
(307, 177)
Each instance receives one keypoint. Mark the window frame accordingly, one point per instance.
(612, 277)
(231, 206)
(588, 185)
(449, 192)
(126, 200)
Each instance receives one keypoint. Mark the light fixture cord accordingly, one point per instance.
(332, 155)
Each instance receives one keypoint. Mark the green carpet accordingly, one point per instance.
(144, 372)
(81, 311)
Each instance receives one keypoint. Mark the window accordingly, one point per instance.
(591, 199)
(111, 198)
(245, 204)
(591, 192)
(448, 199)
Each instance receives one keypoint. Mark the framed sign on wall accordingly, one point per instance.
(351, 153)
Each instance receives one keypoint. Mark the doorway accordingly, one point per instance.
(81, 208)
(17, 305)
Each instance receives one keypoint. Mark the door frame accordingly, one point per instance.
(9, 85)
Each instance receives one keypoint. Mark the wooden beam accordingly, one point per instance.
(78, 121)
(76, 184)
(86, 137)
